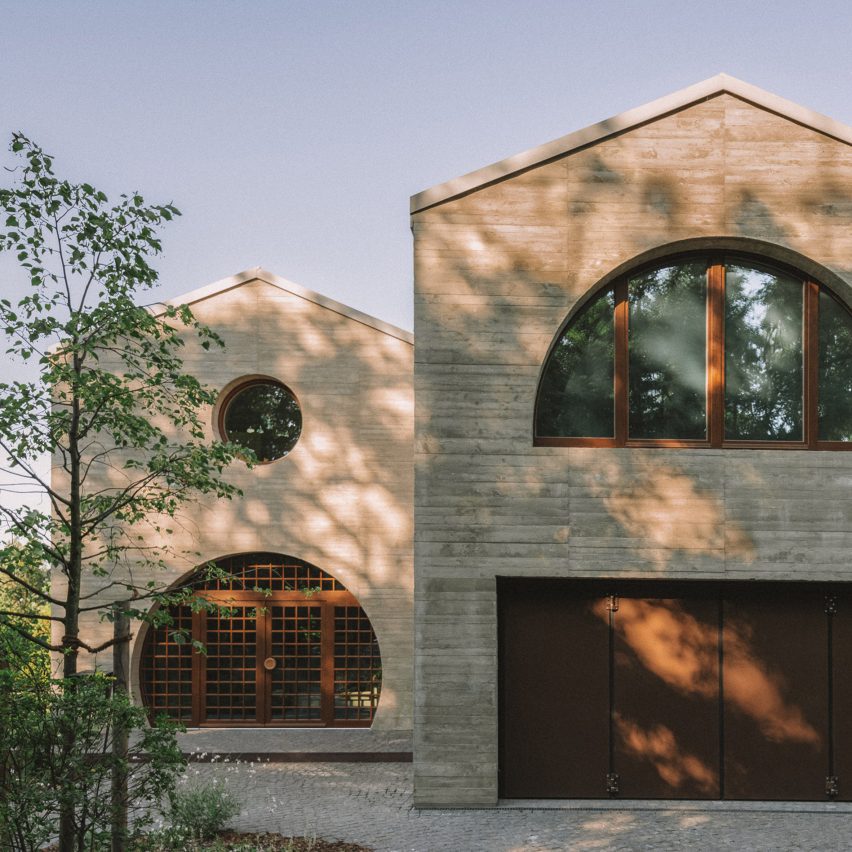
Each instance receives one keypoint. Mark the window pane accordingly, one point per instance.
(835, 370)
(667, 338)
(763, 355)
(264, 417)
(576, 395)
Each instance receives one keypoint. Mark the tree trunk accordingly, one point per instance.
(121, 673)
(71, 620)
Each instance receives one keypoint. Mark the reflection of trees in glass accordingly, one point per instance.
(667, 352)
(763, 355)
(264, 418)
(576, 397)
(835, 371)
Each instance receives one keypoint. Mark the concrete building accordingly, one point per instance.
(325, 522)
(547, 285)
(595, 541)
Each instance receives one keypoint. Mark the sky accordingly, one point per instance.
(291, 134)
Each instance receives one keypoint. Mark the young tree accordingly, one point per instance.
(110, 403)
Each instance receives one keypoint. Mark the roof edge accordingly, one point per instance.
(258, 273)
(721, 83)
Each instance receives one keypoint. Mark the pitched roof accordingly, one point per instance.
(260, 274)
(625, 121)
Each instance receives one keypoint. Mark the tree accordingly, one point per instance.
(110, 403)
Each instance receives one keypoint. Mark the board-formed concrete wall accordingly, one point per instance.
(342, 498)
(496, 273)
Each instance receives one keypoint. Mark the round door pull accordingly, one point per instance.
(270, 663)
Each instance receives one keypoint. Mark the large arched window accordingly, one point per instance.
(292, 649)
(702, 351)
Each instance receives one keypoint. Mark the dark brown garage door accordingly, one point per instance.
(675, 690)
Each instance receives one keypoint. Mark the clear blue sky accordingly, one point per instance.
(291, 134)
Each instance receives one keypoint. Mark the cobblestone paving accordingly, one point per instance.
(371, 804)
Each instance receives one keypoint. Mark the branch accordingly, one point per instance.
(31, 615)
(96, 262)
(96, 649)
(61, 254)
(30, 588)
(29, 637)
(31, 474)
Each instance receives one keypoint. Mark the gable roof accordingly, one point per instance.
(721, 83)
(258, 273)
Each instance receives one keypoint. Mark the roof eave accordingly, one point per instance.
(721, 83)
(258, 273)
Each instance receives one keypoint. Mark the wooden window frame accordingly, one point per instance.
(715, 354)
(326, 601)
(235, 391)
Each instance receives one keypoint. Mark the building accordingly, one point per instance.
(630, 439)
(323, 394)
(629, 521)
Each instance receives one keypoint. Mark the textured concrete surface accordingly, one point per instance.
(372, 804)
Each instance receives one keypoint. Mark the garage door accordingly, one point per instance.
(675, 690)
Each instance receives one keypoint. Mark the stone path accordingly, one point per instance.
(371, 804)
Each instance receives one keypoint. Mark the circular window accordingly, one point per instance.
(263, 416)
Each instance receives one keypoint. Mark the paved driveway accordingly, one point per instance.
(370, 803)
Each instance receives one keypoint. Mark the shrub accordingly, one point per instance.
(201, 811)
(41, 766)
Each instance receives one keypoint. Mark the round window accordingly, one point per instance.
(264, 417)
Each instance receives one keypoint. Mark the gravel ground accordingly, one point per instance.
(371, 804)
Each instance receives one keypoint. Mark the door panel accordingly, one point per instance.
(554, 690)
(841, 652)
(666, 696)
(230, 665)
(295, 644)
(587, 689)
(775, 676)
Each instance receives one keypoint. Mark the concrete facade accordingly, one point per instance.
(502, 259)
(340, 500)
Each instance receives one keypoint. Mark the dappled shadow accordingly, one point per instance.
(665, 511)
(683, 652)
(675, 765)
(341, 499)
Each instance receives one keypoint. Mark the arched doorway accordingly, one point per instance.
(288, 646)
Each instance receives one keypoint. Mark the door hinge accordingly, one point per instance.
(831, 604)
(613, 603)
(832, 786)
(612, 783)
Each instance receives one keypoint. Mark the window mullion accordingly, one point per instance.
(199, 667)
(262, 675)
(716, 354)
(811, 363)
(327, 673)
(621, 363)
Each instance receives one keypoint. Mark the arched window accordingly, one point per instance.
(292, 649)
(702, 351)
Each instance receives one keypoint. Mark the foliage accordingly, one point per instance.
(199, 812)
(252, 842)
(39, 772)
(23, 607)
(111, 401)
(113, 406)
